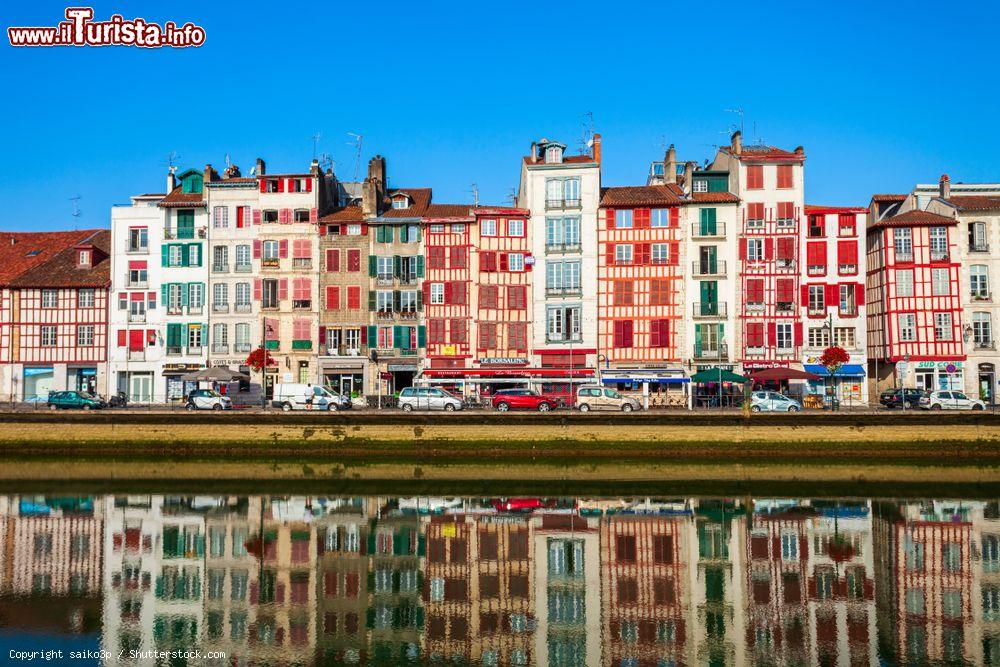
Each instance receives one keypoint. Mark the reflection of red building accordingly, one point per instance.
(645, 594)
(447, 285)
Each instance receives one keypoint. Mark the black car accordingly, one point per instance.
(894, 398)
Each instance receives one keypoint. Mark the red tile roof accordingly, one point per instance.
(567, 159)
(752, 153)
(818, 210)
(500, 210)
(888, 198)
(344, 214)
(22, 251)
(975, 202)
(640, 195)
(61, 269)
(449, 211)
(420, 199)
(714, 198)
(915, 218)
(239, 180)
(180, 199)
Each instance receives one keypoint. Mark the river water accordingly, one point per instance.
(278, 580)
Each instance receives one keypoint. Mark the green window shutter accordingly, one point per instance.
(371, 582)
(370, 617)
(397, 337)
(165, 254)
(373, 336)
(421, 549)
(184, 255)
(373, 265)
(164, 295)
(184, 294)
(420, 299)
(420, 615)
(371, 300)
(421, 336)
(159, 594)
(395, 578)
(397, 264)
(397, 300)
(697, 340)
(371, 537)
(420, 266)
(722, 333)
(708, 221)
(403, 237)
(173, 339)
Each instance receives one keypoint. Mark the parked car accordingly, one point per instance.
(950, 400)
(428, 398)
(597, 397)
(520, 504)
(70, 400)
(522, 399)
(894, 398)
(772, 401)
(298, 396)
(208, 399)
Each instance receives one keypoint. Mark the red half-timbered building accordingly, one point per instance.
(55, 313)
(914, 309)
(640, 281)
(448, 285)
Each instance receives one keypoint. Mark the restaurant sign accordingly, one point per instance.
(502, 361)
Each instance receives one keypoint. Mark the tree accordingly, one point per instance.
(259, 358)
(832, 359)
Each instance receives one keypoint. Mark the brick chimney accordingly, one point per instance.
(373, 188)
(670, 165)
(944, 186)
(260, 167)
(688, 177)
(736, 143)
(596, 149)
(800, 151)
(533, 155)
(171, 179)
(314, 167)
(209, 172)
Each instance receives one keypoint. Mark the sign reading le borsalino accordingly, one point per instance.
(502, 361)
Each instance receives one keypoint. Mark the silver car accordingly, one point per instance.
(208, 399)
(428, 398)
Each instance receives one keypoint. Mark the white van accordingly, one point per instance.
(308, 397)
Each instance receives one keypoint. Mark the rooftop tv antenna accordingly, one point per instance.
(316, 137)
(76, 209)
(326, 161)
(172, 158)
(512, 197)
(228, 163)
(475, 194)
(587, 136)
(358, 140)
(738, 111)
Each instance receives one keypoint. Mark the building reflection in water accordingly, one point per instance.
(387, 581)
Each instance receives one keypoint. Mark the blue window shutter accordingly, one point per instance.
(421, 336)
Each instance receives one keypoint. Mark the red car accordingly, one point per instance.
(519, 504)
(522, 399)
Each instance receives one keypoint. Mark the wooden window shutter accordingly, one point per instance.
(313, 213)
(768, 249)
(675, 217)
(504, 265)
(797, 333)
(772, 333)
(263, 185)
(309, 185)
(832, 295)
(610, 218)
(282, 289)
(281, 185)
(256, 216)
(675, 254)
(257, 289)
(283, 248)
(332, 260)
(804, 295)
(743, 248)
(609, 254)
(257, 248)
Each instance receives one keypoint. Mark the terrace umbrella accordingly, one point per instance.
(717, 375)
(215, 374)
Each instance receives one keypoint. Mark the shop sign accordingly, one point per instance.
(502, 361)
(402, 368)
(941, 365)
(761, 365)
(449, 350)
(180, 368)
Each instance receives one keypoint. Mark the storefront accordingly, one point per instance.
(848, 385)
(38, 381)
(137, 385)
(939, 375)
(345, 376)
(481, 383)
(987, 383)
(653, 387)
(82, 379)
(178, 388)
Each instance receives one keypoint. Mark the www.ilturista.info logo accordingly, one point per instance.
(79, 29)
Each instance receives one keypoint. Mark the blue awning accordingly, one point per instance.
(847, 370)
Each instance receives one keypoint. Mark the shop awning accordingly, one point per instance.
(650, 379)
(782, 374)
(847, 370)
(717, 375)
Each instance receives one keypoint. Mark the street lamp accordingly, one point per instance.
(265, 331)
(828, 330)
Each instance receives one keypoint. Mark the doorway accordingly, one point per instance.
(986, 381)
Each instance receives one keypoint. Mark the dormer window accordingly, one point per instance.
(699, 185)
(191, 182)
(271, 185)
(553, 155)
(83, 259)
(400, 201)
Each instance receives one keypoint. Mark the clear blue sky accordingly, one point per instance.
(880, 96)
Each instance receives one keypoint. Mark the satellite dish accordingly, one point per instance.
(253, 170)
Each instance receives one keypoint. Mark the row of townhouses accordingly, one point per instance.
(368, 287)
(368, 580)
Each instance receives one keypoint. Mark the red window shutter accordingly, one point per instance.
(257, 245)
(332, 260)
(675, 217)
(309, 184)
(283, 289)
(322, 335)
(257, 289)
(313, 213)
(786, 247)
(627, 333)
(487, 261)
(768, 249)
(641, 218)
(786, 289)
(364, 335)
(426, 287)
(504, 266)
(354, 259)
(833, 295)
(859, 294)
(281, 185)
(797, 334)
(283, 248)
(755, 177)
(609, 254)
(675, 254)
(256, 216)
(743, 249)
(755, 290)
(610, 217)
(333, 297)
(447, 293)
(804, 294)
(642, 253)
(323, 230)
(772, 333)
(654, 333)
(843, 252)
(354, 298)
(122, 341)
(263, 185)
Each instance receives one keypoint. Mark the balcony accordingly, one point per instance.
(904, 256)
(785, 223)
(383, 280)
(785, 264)
(220, 348)
(754, 306)
(137, 317)
(984, 345)
(270, 262)
(700, 231)
(817, 311)
(785, 349)
(384, 315)
(561, 203)
(563, 291)
(220, 268)
(851, 312)
(220, 307)
(754, 350)
(709, 309)
(183, 233)
(243, 268)
(552, 248)
(196, 310)
(716, 352)
(302, 263)
(174, 350)
(175, 310)
(784, 306)
(194, 349)
(341, 351)
(408, 353)
(242, 348)
(979, 247)
(137, 355)
(939, 255)
(137, 250)
(242, 308)
(847, 269)
(302, 345)
(137, 284)
(410, 314)
(707, 268)
(816, 270)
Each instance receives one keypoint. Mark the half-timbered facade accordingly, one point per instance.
(832, 297)
(448, 286)
(769, 184)
(914, 314)
(53, 313)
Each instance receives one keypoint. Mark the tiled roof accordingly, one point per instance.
(420, 199)
(22, 251)
(714, 198)
(344, 214)
(888, 198)
(61, 269)
(817, 210)
(975, 202)
(439, 211)
(915, 218)
(500, 210)
(640, 195)
(240, 180)
(754, 152)
(180, 199)
(567, 159)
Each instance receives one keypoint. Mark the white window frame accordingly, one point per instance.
(515, 228)
(943, 327)
(515, 261)
(624, 218)
(437, 293)
(624, 254)
(488, 227)
(907, 325)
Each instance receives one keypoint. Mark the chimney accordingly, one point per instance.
(800, 151)
(688, 177)
(534, 152)
(171, 180)
(596, 149)
(372, 189)
(944, 186)
(736, 142)
(670, 165)
(376, 169)
(208, 173)
(314, 167)
(260, 167)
